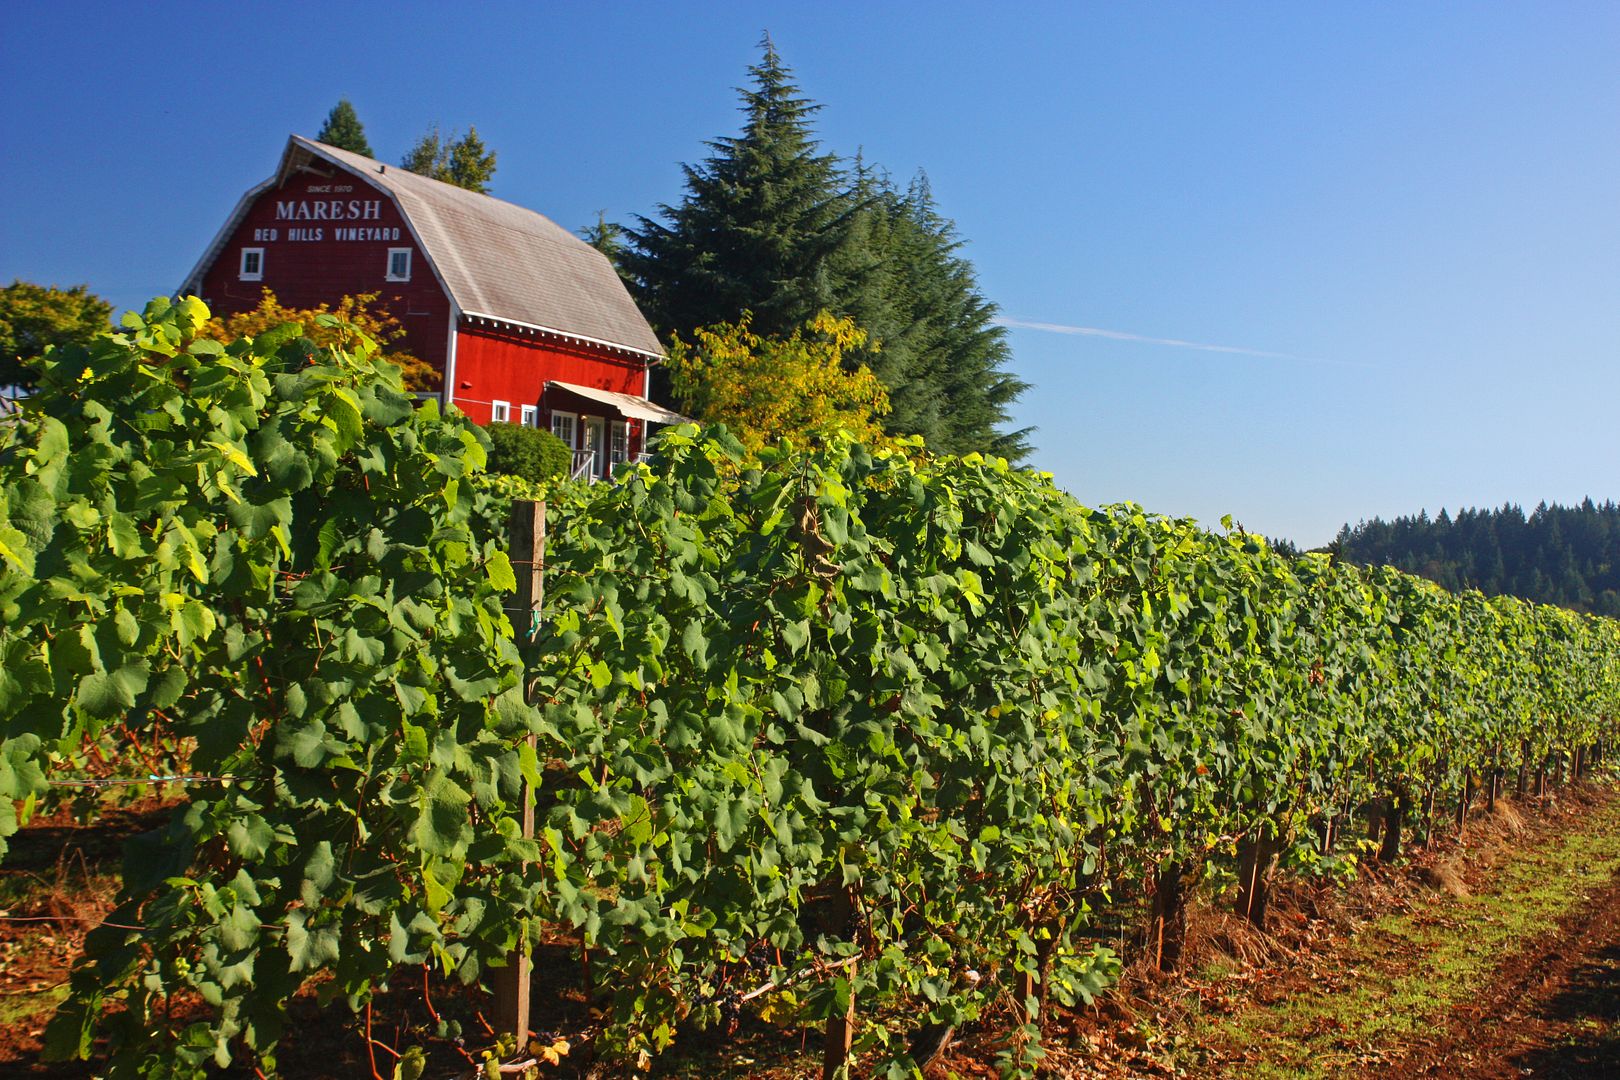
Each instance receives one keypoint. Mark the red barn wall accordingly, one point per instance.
(497, 365)
(311, 260)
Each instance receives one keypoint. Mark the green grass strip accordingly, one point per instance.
(1403, 973)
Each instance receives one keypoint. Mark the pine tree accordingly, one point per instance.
(464, 162)
(344, 130)
(472, 164)
(427, 156)
(608, 238)
(762, 228)
(772, 226)
(939, 350)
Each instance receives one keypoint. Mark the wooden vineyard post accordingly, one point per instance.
(1462, 801)
(839, 1036)
(841, 916)
(527, 541)
(1033, 984)
(1427, 813)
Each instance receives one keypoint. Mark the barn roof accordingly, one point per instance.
(497, 260)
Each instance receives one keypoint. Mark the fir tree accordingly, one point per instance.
(939, 350)
(762, 227)
(608, 238)
(344, 130)
(772, 226)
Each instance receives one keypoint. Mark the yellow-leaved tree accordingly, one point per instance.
(360, 311)
(769, 388)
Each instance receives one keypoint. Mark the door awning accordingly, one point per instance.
(638, 408)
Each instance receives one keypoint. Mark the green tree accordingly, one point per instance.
(35, 317)
(771, 225)
(608, 238)
(465, 162)
(938, 348)
(344, 130)
(766, 224)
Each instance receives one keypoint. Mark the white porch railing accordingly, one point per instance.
(585, 466)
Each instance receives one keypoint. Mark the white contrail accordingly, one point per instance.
(1143, 339)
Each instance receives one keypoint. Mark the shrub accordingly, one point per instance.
(526, 452)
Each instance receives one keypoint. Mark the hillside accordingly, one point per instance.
(1565, 555)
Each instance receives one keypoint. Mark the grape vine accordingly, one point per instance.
(821, 725)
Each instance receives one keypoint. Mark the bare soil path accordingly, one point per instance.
(1500, 958)
(1494, 956)
(1552, 1011)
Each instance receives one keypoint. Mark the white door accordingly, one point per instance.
(619, 445)
(594, 443)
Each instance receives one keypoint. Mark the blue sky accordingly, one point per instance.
(1408, 214)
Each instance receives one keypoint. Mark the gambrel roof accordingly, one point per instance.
(496, 260)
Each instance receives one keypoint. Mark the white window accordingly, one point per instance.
(252, 268)
(562, 426)
(619, 444)
(499, 411)
(531, 416)
(399, 264)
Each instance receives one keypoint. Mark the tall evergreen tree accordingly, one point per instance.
(772, 226)
(608, 238)
(344, 130)
(763, 227)
(939, 350)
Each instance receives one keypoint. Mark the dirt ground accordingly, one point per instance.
(1553, 1010)
(1547, 1005)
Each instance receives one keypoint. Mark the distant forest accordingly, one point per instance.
(1566, 555)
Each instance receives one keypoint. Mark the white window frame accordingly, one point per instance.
(530, 414)
(573, 427)
(242, 271)
(389, 274)
(500, 412)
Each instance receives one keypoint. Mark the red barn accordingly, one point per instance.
(525, 321)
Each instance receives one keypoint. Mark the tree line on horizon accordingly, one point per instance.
(1563, 555)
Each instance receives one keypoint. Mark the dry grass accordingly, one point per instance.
(1444, 876)
(1508, 817)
